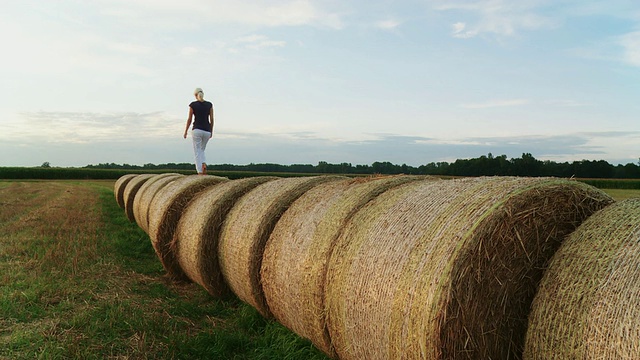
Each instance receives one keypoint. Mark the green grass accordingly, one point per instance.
(78, 280)
(622, 194)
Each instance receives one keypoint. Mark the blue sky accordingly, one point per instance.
(304, 81)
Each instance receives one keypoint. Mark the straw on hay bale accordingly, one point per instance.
(195, 241)
(247, 228)
(145, 195)
(294, 263)
(165, 211)
(118, 188)
(448, 269)
(588, 303)
(130, 192)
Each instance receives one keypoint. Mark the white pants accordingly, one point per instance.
(200, 139)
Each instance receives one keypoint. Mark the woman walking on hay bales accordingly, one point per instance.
(202, 128)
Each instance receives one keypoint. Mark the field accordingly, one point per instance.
(78, 280)
(621, 194)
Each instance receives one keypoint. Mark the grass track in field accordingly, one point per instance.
(78, 280)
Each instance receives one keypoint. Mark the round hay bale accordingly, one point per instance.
(130, 192)
(147, 192)
(294, 263)
(165, 211)
(588, 303)
(247, 228)
(448, 269)
(195, 241)
(118, 188)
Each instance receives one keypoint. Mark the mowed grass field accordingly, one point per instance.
(79, 281)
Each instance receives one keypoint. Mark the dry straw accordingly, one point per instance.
(118, 188)
(295, 259)
(195, 241)
(130, 192)
(588, 304)
(247, 228)
(145, 195)
(448, 269)
(165, 211)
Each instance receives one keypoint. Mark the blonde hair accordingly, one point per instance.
(199, 94)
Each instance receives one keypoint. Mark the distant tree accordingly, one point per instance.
(486, 165)
(527, 165)
(322, 167)
(45, 164)
(385, 168)
(592, 169)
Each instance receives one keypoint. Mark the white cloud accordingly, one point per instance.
(460, 32)
(496, 103)
(622, 48)
(259, 42)
(388, 24)
(631, 44)
(66, 47)
(129, 48)
(499, 17)
(85, 127)
(189, 51)
(251, 38)
(248, 12)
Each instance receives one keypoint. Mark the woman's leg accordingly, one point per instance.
(200, 139)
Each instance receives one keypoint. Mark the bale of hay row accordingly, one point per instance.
(142, 201)
(247, 228)
(165, 211)
(448, 269)
(588, 303)
(195, 241)
(118, 188)
(130, 192)
(294, 263)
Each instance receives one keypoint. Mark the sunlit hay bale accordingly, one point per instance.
(294, 263)
(195, 241)
(165, 211)
(247, 228)
(118, 188)
(130, 192)
(448, 269)
(588, 303)
(145, 195)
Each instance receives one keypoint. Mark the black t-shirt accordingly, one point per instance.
(201, 110)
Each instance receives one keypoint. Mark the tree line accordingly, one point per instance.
(485, 165)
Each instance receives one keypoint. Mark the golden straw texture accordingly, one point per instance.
(118, 188)
(130, 192)
(165, 211)
(145, 195)
(247, 228)
(447, 269)
(195, 241)
(298, 250)
(588, 304)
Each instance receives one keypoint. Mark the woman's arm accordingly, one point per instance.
(186, 129)
(212, 121)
